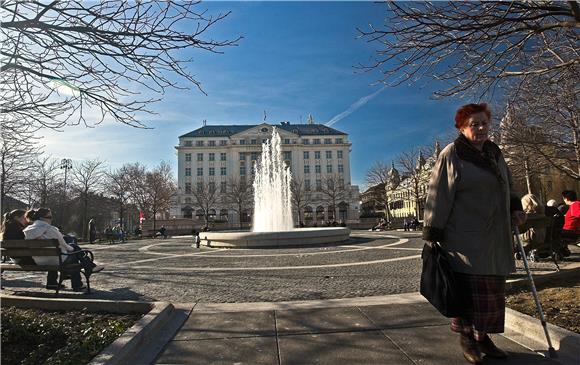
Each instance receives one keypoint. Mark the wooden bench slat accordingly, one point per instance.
(20, 252)
(29, 243)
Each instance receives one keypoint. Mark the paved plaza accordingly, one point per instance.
(369, 264)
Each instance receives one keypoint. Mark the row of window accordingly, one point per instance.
(318, 169)
(211, 156)
(254, 155)
(224, 142)
(211, 186)
(212, 171)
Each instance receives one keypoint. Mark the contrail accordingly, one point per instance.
(357, 104)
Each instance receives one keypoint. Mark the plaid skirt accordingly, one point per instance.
(486, 305)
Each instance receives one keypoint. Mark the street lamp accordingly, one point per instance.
(65, 164)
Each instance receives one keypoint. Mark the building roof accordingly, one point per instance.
(230, 130)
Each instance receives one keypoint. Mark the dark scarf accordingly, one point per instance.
(486, 159)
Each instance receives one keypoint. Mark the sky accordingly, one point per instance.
(295, 59)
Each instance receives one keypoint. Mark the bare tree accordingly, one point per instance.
(16, 162)
(45, 180)
(333, 191)
(301, 198)
(415, 175)
(239, 195)
(205, 197)
(87, 179)
(159, 187)
(475, 46)
(77, 62)
(118, 183)
(551, 112)
(377, 176)
(137, 188)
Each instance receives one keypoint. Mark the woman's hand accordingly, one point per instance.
(519, 217)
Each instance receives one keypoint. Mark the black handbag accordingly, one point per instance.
(439, 284)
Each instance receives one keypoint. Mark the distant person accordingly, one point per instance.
(163, 231)
(196, 238)
(13, 224)
(535, 233)
(92, 231)
(137, 232)
(405, 224)
(469, 212)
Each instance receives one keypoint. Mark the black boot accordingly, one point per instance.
(470, 349)
(490, 349)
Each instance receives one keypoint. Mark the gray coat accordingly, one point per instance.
(468, 212)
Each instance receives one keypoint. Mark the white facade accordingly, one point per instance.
(213, 154)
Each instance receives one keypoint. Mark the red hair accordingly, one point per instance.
(467, 111)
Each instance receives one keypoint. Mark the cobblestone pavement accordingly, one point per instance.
(370, 263)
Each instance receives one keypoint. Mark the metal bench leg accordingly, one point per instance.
(87, 276)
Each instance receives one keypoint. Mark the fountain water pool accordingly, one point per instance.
(273, 224)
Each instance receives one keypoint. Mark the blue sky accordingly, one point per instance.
(295, 59)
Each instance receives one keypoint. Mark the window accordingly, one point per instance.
(199, 143)
(200, 171)
(338, 141)
(211, 143)
(187, 171)
(341, 168)
(306, 169)
(223, 142)
(254, 156)
(187, 143)
(318, 185)
(306, 141)
(338, 154)
(329, 169)
(307, 185)
(211, 171)
(242, 156)
(317, 155)
(211, 157)
(223, 187)
(212, 187)
(242, 141)
(264, 140)
(287, 155)
(317, 169)
(199, 187)
(223, 171)
(286, 141)
(316, 140)
(328, 141)
(341, 183)
(242, 170)
(187, 188)
(306, 155)
(200, 156)
(222, 156)
(329, 154)
(188, 157)
(253, 141)
(330, 184)
(188, 200)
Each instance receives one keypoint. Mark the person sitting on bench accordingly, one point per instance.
(571, 229)
(41, 228)
(12, 225)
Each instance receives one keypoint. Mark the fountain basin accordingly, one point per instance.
(296, 237)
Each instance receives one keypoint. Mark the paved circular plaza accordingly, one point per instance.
(368, 264)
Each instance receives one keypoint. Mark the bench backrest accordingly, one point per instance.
(26, 248)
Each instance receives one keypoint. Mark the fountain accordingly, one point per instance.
(273, 225)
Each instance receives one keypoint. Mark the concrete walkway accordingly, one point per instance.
(407, 330)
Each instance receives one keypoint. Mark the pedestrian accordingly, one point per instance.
(163, 231)
(405, 224)
(571, 229)
(469, 211)
(92, 231)
(13, 224)
(196, 238)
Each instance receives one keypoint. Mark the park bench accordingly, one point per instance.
(48, 248)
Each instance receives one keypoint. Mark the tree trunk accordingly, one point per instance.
(527, 175)
(85, 215)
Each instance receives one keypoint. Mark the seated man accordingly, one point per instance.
(571, 229)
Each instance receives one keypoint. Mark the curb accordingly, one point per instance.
(528, 332)
(126, 348)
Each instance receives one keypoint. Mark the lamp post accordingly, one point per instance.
(66, 164)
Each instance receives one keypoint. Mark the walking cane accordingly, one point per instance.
(551, 352)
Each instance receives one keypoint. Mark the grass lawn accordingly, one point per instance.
(32, 336)
(560, 300)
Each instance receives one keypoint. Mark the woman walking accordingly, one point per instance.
(469, 212)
